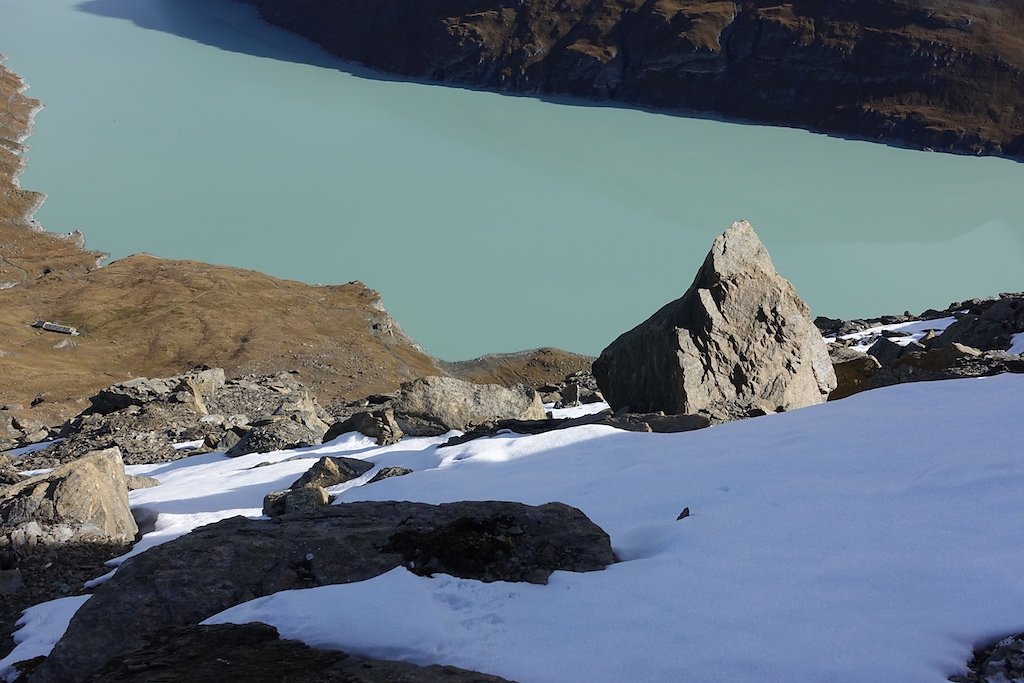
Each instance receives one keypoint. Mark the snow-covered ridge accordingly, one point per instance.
(864, 539)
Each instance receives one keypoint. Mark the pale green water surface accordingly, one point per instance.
(490, 223)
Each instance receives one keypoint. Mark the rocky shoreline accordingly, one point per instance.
(144, 316)
(944, 76)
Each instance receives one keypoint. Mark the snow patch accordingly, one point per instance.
(915, 331)
(40, 629)
(1016, 343)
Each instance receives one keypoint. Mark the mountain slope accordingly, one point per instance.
(944, 74)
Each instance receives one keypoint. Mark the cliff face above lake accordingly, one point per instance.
(944, 74)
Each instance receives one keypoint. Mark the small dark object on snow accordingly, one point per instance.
(684, 514)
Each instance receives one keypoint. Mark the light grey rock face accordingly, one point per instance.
(276, 435)
(145, 390)
(434, 405)
(739, 342)
(378, 424)
(143, 434)
(141, 481)
(273, 395)
(328, 471)
(83, 500)
(302, 499)
(202, 573)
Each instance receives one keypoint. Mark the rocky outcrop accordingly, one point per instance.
(146, 417)
(434, 405)
(854, 369)
(739, 342)
(929, 73)
(254, 652)
(991, 329)
(158, 419)
(8, 472)
(309, 491)
(886, 351)
(188, 388)
(578, 388)
(143, 433)
(972, 346)
(276, 434)
(86, 500)
(184, 581)
(952, 362)
(1002, 662)
(290, 501)
(389, 472)
(331, 471)
(377, 424)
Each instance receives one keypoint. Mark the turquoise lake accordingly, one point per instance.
(190, 129)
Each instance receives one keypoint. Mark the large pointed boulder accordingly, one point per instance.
(739, 342)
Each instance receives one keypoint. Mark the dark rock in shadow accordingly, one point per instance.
(221, 565)
(254, 652)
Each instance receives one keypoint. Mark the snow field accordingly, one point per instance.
(872, 538)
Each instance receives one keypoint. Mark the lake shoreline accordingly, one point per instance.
(145, 315)
(18, 109)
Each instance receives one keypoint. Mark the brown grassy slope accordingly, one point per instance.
(534, 368)
(145, 316)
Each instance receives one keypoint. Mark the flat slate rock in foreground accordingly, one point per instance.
(739, 342)
(221, 565)
(255, 652)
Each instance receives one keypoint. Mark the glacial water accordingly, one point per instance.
(189, 129)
